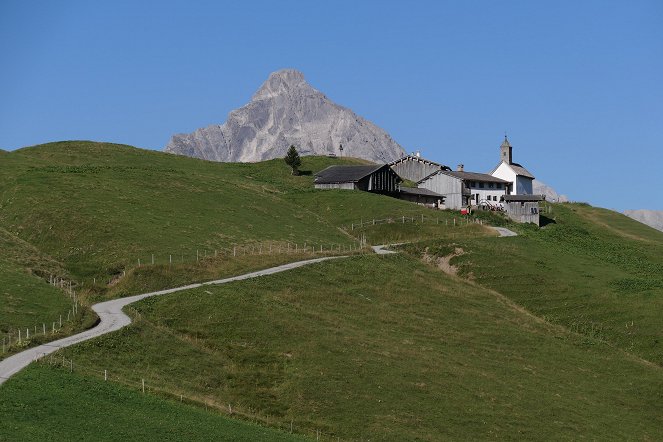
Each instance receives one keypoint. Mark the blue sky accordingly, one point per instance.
(578, 86)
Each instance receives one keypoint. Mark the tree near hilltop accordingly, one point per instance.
(293, 160)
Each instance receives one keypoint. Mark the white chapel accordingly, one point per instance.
(516, 174)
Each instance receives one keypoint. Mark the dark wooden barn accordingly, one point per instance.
(374, 178)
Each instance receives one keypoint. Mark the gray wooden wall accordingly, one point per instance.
(449, 186)
(522, 212)
(414, 170)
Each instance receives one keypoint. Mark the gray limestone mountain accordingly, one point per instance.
(541, 188)
(653, 218)
(286, 111)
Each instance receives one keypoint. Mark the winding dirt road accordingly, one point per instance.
(113, 318)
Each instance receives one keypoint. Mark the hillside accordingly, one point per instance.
(98, 207)
(593, 271)
(88, 212)
(28, 300)
(329, 348)
(553, 334)
(60, 397)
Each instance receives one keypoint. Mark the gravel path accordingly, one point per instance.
(504, 232)
(112, 318)
(380, 250)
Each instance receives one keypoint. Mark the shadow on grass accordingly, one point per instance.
(544, 221)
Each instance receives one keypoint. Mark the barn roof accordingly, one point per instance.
(346, 174)
(520, 170)
(517, 168)
(468, 176)
(523, 198)
(419, 160)
(474, 176)
(419, 191)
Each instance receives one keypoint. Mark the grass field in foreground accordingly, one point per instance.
(383, 348)
(594, 271)
(45, 403)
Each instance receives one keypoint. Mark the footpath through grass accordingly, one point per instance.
(44, 403)
(382, 348)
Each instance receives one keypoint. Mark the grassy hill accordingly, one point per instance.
(551, 334)
(592, 270)
(88, 212)
(383, 348)
(99, 207)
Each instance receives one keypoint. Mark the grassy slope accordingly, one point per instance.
(431, 357)
(316, 348)
(99, 207)
(27, 300)
(594, 271)
(64, 406)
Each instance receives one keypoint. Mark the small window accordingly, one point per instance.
(491, 185)
(535, 210)
(499, 185)
(494, 197)
(480, 185)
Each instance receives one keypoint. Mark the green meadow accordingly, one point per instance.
(47, 403)
(553, 334)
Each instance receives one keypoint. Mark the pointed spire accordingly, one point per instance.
(505, 143)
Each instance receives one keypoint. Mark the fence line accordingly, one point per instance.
(144, 386)
(49, 328)
(416, 219)
(267, 248)
(20, 337)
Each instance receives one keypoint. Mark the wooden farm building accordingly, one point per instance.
(466, 189)
(373, 178)
(523, 208)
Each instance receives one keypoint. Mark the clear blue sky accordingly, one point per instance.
(578, 85)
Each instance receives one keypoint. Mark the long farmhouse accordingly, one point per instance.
(507, 187)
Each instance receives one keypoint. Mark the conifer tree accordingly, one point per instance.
(293, 160)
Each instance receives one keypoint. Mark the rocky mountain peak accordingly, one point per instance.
(280, 82)
(286, 111)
